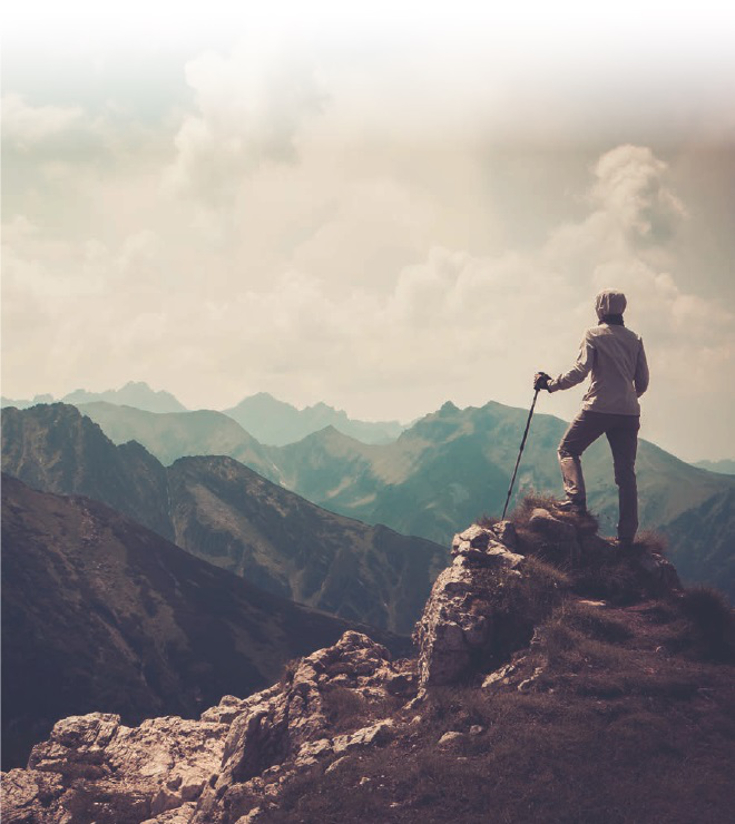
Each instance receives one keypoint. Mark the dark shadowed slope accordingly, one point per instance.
(56, 449)
(101, 614)
(220, 510)
(228, 514)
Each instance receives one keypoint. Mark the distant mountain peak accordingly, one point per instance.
(278, 423)
(448, 408)
(137, 394)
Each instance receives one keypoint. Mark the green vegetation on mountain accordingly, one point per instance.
(455, 464)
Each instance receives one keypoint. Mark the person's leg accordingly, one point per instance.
(583, 430)
(623, 439)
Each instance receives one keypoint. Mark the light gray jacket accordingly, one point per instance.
(614, 358)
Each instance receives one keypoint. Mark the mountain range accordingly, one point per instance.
(100, 613)
(274, 422)
(451, 466)
(222, 511)
(137, 394)
(269, 420)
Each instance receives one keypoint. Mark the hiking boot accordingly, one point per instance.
(573, 507)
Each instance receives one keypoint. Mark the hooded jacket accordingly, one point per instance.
(614, 358)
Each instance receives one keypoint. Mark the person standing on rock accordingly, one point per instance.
(615, 359)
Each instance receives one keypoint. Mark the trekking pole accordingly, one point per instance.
(523, 443)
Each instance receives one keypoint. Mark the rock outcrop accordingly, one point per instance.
(503, 582)
(480, 609)
(486, 624)
(231, 761)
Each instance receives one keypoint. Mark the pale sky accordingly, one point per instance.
(382, 208)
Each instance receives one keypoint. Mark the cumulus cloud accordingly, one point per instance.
(249, 108)
(631, 188)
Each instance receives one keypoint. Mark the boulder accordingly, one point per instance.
(94, 768)
(481, 609)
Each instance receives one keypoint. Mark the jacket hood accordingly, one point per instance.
(610, 302)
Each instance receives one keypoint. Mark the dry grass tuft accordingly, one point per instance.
(521, 515)
(652, 541)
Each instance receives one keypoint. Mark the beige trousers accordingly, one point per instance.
(622, 435)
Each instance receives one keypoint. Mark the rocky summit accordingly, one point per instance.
(556, 678)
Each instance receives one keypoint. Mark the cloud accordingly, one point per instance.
(25, 125)
(249, 108)
(631, 188)
(450, 324)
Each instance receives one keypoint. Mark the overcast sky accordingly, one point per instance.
(381, 210)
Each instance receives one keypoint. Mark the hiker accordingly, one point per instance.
(615, 359)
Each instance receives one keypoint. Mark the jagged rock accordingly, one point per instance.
(505, 532)
(527, 683)
(181, 815)
(483, 545)
(336, 764)
(477, 613)
(288, 724)
(29, 796)
(94, 768)
(220, 769)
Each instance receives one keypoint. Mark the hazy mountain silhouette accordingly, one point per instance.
(725, 466)
(101, 614)
(24, 404)
(173, 435)
(136, 394)
(274, 422)
(220, 510)
(139, 395)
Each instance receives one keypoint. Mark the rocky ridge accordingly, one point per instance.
(487, 627)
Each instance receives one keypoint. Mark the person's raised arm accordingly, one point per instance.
(579, 371)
